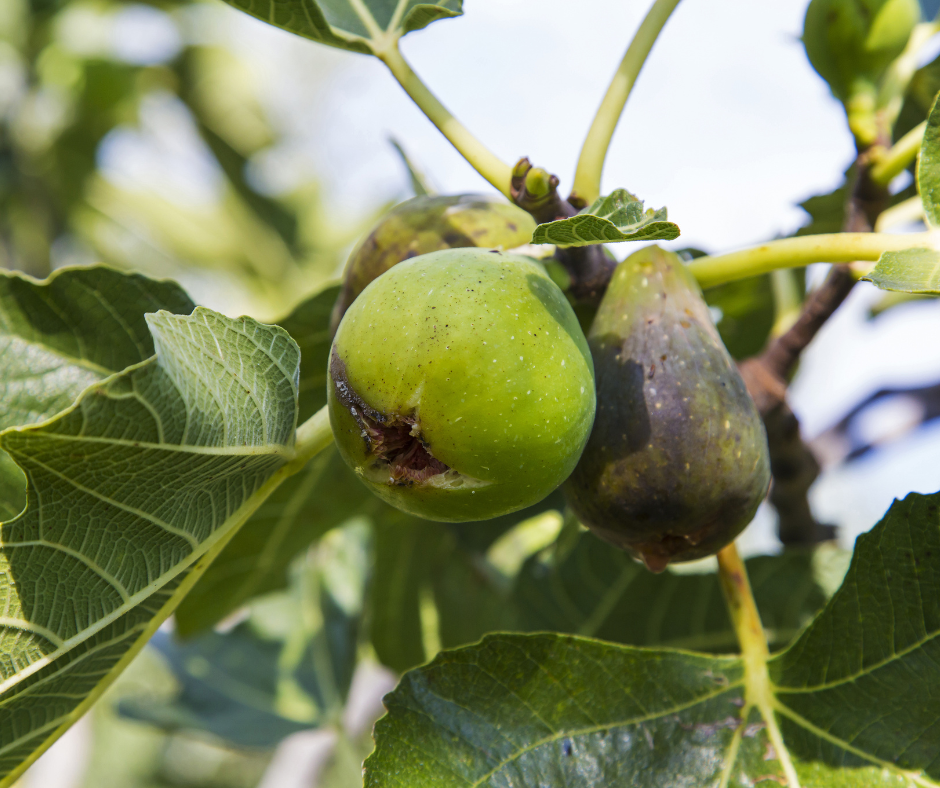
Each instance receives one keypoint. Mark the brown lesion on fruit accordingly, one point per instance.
(394, 440)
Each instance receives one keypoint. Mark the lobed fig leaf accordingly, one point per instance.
(429, 224)
(677, 462)
(356, 25)
(618, 217)
(461, 386)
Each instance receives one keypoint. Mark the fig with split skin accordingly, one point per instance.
(461, 386)
(677, 462)
(430, 224)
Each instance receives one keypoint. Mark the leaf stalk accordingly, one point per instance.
(587, 178)
(313, 436)
(758, 691)
(897, 159)
(484, 161)
(803, 251)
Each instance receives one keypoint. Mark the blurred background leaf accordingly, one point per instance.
(87, 84)
(287, 667)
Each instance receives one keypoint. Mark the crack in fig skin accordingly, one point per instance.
(394, 440)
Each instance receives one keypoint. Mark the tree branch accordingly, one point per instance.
(792, 464)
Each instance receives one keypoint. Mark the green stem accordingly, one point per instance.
(497, 172)
(788, 300)
(894, 161)
(758, 691)
(802, 251)
(313, 436)
(587, 178)
(898, 77)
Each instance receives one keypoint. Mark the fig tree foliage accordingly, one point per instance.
(161, 459)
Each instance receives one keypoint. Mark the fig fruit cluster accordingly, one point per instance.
(461, 386)
(677, 462)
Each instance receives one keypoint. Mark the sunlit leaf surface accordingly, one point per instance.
(127, 488)
(358, 25)
(618, 217)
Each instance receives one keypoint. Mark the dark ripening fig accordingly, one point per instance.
(677, 461)
(429, 224)
(461, 386)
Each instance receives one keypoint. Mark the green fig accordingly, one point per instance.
(461, 386)
(677, 461)
(851, 43)
(429, 224)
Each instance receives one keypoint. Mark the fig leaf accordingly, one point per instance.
(928, 167)
(907, 271)
(617, 217)
(851, 697)
(153, 467)
(354, 26)
(304, 508)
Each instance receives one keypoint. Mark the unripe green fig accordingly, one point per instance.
(429, 224)
(677, 462)
(851, 43)
(461, 386)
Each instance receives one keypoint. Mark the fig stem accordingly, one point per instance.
(313, 436)
(797, 252)
(587, 178)
(896, 159)
(484, 161)
(758, 689)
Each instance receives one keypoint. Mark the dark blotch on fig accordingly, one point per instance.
(677, 462)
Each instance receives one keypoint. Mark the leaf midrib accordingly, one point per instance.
(798, 719)
(782, 689)
(267, 449)
(136, 599)
(67, 360)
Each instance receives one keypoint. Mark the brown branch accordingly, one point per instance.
(792, 464)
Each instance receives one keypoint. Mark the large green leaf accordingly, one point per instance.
(306, 506)
(617, 217)
(145, 473)
(928, 167)
(356, 25)
(61, 335)
(288, 667)
(907, 271)
(852, 702)
(559, 710)
(309, 325)
(861, 684)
